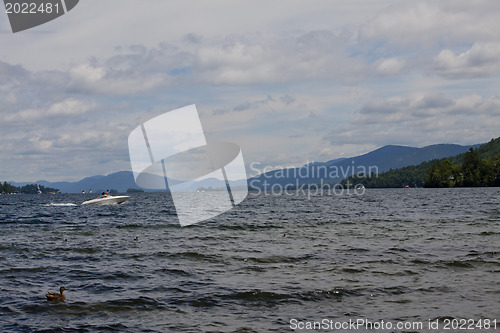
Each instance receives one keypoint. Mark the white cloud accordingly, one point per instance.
(470, 104)
(87, 73)
(70, 106)
(482, 59)
(83, 33)
(420, 119)
(427, 23)
(390, 66)
(251, 59)
(40, 145)
(272, 59)
(32, 116)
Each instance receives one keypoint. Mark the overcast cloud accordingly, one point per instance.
(290, 81)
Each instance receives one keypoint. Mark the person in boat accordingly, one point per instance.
(107, 192)
(102, 195)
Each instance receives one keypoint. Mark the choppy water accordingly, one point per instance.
(394, 255)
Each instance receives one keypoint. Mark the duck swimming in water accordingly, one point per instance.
(56, 297)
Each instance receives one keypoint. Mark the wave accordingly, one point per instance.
(28, 221)
(264, 298)
(276, 259)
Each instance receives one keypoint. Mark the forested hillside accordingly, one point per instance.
(477, 167)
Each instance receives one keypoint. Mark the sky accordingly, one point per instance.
(289, 81)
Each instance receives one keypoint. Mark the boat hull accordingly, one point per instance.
(109, 200)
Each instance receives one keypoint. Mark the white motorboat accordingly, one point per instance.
(107, 200)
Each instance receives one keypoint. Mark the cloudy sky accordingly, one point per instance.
(290, 81)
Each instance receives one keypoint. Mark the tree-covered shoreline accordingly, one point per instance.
(475, 168)
(7, 188)
(474, 171)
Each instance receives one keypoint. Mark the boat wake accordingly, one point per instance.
(68, 204)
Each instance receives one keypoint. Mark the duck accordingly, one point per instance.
(56, 297)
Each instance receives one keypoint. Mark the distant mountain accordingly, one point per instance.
(328, 162)
(377, 161)
(122, 181)
(395, 157)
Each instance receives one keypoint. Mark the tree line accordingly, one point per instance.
(474, 171)
(7, 188)
(477, 167)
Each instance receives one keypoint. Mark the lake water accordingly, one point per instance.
(274, 263)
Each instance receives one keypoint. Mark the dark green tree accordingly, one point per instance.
(7, 188)
(474, 170)
(495, 171)
(441, 174)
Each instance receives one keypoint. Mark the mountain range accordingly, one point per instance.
(379, 160)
